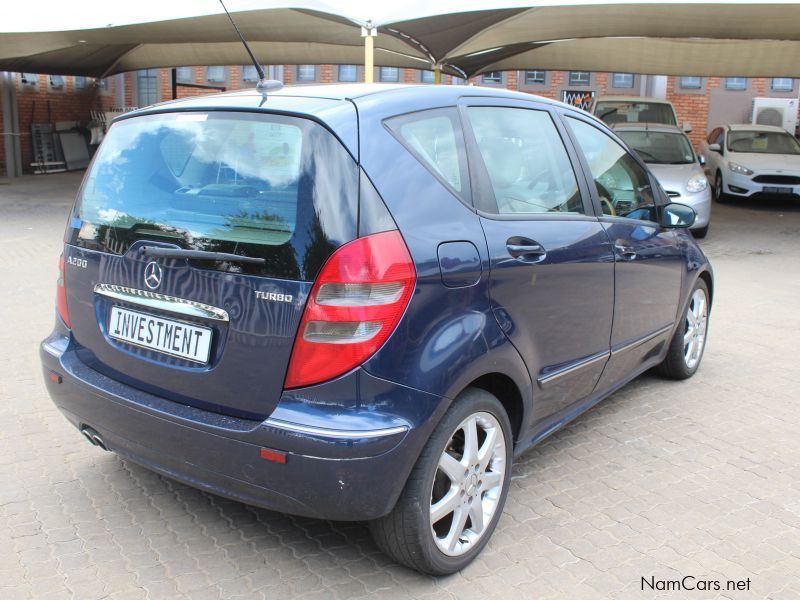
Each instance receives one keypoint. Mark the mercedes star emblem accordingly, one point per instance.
(152, 275)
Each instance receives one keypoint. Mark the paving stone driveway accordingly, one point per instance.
(662, 480)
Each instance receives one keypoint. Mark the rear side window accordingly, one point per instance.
(526, 161)
(434, 137)
(268, 186)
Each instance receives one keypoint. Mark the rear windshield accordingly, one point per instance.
(268, 186)
(635, 112)
(660, 147)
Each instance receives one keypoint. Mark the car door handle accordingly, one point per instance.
(525, 250)
(625, 251)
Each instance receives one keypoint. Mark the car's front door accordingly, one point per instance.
(648, 258)
(552, 266)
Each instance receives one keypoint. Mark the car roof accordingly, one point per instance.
(658, 127)
(749, 127)
(323, 95)
(647, 99)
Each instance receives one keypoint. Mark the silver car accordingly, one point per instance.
(669, 154)
(752, 161)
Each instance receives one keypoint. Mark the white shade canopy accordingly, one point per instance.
(691, 38)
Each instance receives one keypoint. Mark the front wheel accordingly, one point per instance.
(700, 232)
(719, 189)
(689, 341)
(455, 494)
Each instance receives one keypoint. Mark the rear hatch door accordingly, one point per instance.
(278, 192)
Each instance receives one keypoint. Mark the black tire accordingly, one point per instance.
(719, 188)
(405, 534)
(700, 232)
(675, 365)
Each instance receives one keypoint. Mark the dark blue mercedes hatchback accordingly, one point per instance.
(361, 302)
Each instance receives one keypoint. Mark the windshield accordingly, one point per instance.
(261, 185)
(635, 112)
(660, 147)
(762, 142)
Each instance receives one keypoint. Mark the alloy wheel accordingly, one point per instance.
(694, 338)
(468, 484)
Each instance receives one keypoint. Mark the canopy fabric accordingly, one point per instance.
(278, 36)
(700, 57)
(687, 38)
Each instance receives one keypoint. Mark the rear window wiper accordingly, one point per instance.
(158, 252)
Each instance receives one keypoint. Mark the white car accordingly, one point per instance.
(615, 110)
(752, 161)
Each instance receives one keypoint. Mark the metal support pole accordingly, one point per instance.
(10, 131)
(437, 75)
(368, 32)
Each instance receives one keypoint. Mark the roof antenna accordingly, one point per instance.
(264, 85)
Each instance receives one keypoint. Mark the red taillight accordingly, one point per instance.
(355, 304)
(61, 293)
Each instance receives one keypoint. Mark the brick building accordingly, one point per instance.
(704, 102)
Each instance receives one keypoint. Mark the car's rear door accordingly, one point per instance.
(279, 192)
(552, 267)
(649, 259)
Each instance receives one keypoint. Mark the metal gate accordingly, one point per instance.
(578, 98)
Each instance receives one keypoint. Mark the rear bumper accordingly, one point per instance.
(348, 474)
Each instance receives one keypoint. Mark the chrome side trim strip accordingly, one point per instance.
(180, 306)
(336, 433)
(640, 341)
(572, 368)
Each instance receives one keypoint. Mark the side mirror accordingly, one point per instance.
(714, 148)
(677, 216)
(701, 159)
(687, 127)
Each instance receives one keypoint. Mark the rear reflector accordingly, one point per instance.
(61, 293)
(356, 303)
(273, 455)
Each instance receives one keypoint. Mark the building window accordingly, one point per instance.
(535, 77)
(147, 87)
(782, 84)
(215, 74)
(493, 77)
(736, 83)
(306, 73)
(249, 73)
(427, 77)
(690, 83)
(102, 84)
(580, 78)
(56, 82)
(184, 75)
(80, 82)
(622, 80)
(31, 79)
(389, 74)
(348, 73)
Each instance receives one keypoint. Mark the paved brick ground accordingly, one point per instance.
(662, 480)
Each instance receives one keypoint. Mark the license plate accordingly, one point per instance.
(777, 190)
(162, 335)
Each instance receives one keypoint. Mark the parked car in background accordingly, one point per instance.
(635, 109)
(670, 157)
(362, 302)
(752, 161)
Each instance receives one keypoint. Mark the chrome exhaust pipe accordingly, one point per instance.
(94, 438)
